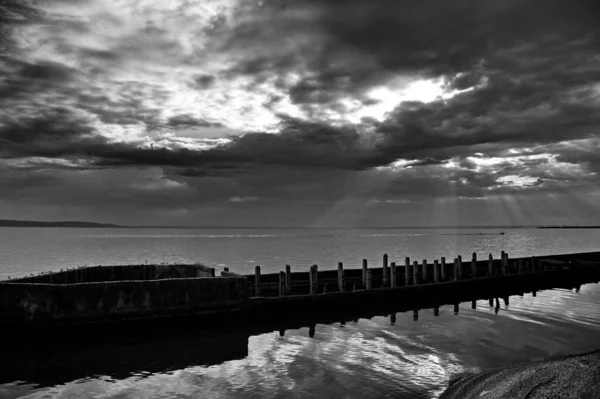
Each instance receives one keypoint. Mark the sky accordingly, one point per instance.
(313, 113)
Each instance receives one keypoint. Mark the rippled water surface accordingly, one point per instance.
(385, 356)
(27, 250)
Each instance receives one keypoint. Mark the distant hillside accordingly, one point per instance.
(33, 223)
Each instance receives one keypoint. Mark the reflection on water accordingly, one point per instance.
(405, 354)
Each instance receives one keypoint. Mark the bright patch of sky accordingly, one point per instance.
(401, 89)
(517, 181)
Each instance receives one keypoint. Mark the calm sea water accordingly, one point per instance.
(367, 358)
(30, 250)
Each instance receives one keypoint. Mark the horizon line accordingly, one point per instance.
(114, 225)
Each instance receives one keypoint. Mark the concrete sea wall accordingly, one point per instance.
(119, 273)
(32, 302)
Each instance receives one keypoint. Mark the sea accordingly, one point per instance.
(384, 356)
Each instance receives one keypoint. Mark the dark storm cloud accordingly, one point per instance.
(532, 63)
(15, 12)
(413, 134)
(184, 120)
(299, 144)
(349, 46)
(61, 133)
(203, 82)
(55, 133)
(26, 80)
(51, 71)
(524, 55)
(495, 115)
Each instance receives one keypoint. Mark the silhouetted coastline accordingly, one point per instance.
(34, 223)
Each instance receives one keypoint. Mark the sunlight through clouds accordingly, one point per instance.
(327, 116)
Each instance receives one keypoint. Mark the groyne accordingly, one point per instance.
(49, 355)
(119, 293)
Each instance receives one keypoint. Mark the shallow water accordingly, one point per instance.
(366, 358)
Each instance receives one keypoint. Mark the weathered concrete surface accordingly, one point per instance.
(27, 302)
(116, 273)
(576, 376)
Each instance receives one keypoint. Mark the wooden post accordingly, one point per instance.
(455, 269)
(385, 270)
(436, 311)
(393, 274)
(281, 283)
(456, 309)
(364, 273)
(436, 271)
(460, 269)
(520, 266)
(415, 273)
(311, 279)
(257, 281)
(340, 277)
(406, 271)
(491, 302)
(473, 304)
(490, 265)
(534, 293)
(369, 280)
(288, 279)
(415, 315)
(474, 265)
(316, 278)
(443, 268)
(504, 263)
(424, 270)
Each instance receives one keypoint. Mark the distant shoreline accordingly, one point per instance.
(29, 223)
(84, 224)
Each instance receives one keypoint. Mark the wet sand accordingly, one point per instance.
(574, 376)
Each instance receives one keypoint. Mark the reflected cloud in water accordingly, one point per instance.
(395, 355)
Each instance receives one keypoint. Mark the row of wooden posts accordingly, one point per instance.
(417, 272)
